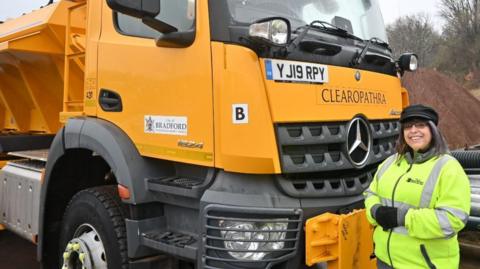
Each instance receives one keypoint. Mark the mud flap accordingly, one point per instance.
(343, 241)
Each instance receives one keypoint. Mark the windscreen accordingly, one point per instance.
(361, 18)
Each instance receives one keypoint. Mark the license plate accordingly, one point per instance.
(279, 70)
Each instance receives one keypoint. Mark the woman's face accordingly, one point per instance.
(417, 134)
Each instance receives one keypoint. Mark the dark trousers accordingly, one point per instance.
(382, 265)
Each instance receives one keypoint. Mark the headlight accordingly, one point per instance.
(274, 30)
(258, 237)
(413, 63)
(408, 62)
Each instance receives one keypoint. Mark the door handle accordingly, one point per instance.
(110, 101)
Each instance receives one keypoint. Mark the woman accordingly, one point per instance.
(419, 199)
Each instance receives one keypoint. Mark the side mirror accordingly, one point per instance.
(408, 62)
(147, 11)
(136, 8)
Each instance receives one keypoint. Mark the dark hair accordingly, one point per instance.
(438, 143)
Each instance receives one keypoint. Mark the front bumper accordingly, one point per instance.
(257, 198)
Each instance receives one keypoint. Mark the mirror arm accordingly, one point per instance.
(136, 8)
(159, 25)
(176, 39)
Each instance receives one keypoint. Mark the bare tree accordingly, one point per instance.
(462, 35)
(415, 33)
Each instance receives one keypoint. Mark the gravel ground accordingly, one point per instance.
(470, 249)
(17, 253)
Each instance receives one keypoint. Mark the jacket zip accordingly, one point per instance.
(426, 257)
(393, 204)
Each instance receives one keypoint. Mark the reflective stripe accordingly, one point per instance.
(461, 215)
(368, 193)
(373, 210)
(385, 166)
(432, 181)
(388, 202)
(400, 230)
(401, 213)
(371, 192)
(444, 223)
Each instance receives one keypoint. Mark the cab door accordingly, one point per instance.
(160, 96)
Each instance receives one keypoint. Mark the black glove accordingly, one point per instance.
(386, 216)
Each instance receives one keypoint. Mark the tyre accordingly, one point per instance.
(93, 233)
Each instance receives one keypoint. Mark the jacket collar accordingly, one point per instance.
(419, 157)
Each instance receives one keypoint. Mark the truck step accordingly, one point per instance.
(187, 183)
(185, 187)
(174, 243)
(171, 238)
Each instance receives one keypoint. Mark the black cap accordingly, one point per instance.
(419, 111)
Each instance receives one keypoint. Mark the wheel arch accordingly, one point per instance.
(75, 145)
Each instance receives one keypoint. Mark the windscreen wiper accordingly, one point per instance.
(322, 26)
(358, 57)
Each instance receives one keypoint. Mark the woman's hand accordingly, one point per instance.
(386, 216)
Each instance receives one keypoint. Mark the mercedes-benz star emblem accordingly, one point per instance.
(359, 142)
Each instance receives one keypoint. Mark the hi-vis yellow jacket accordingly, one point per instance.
(433, 200)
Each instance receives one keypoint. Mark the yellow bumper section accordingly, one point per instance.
(343, 241)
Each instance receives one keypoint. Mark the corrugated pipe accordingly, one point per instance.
(468, 159)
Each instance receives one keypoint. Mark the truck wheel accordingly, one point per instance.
(93, 234)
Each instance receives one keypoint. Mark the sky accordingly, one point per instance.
(15, 8)
(391, 9)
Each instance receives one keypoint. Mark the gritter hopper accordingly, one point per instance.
(42, 62)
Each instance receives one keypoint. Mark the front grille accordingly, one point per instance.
(348, 183)
(385, 135)
(312, 155)
(318, 147)
(216, 255)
